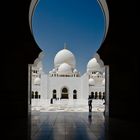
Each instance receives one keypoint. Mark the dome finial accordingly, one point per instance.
(65, 45)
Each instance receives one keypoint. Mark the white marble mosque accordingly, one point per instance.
(64, 81)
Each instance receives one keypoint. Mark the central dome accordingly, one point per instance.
(64, 56)
(65, 69)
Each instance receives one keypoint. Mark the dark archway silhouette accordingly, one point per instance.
(36, 94)
(64, 93)
(32, 95)
(75, 94)
(54, 94)
(92, 95)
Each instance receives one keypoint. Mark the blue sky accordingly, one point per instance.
(79, 23)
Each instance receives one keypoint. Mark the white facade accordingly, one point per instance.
(64, 80)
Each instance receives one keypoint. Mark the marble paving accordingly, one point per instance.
(69, 106)
(67, 120)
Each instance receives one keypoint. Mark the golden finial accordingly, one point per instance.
(65, 45)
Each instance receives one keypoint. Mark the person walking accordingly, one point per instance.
(51, 101)
(90, 103)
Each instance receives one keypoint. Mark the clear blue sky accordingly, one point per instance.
(79, 23)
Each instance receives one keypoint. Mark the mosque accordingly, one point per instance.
(64, 81)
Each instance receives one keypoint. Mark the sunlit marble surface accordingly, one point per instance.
(68, 105)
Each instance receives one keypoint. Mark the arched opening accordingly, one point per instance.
(96, 95)
(75, 94)
(54, 94)
(32, 95)
(64, 93)
(100, 95)
(92, 95)
(39, 96)
(36, 95)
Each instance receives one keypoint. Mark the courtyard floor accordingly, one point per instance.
(67, 126)
(66, 120)
(65, 105)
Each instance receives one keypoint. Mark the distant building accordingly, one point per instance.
(64, 80)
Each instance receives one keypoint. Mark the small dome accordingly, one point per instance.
(37, 80)
(103, 82)
(50, 72)
(40, 69)
(91, 82)
(93, 65)
(64, 56)
(98, 74)
(54, 70)
(65, 69)
(75, 71)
